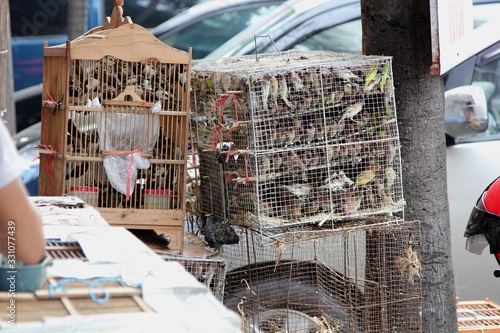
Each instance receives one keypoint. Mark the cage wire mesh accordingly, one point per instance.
(209, 271)
(123, 114)
(364, 278)
(305, 140)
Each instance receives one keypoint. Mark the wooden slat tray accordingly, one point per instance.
(74, 299)
(478, 316)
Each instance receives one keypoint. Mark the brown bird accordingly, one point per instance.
(264, 164)
(351, 201)
(283, 90)
(294, 81)
(351, 111)
(265, 86)
(274, 89)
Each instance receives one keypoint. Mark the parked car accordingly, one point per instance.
(208, 25)
(472, 157)
(34, 22)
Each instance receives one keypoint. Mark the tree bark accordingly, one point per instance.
(77, 18)
(401, 29)
(7, 109)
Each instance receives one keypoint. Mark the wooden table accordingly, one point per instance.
(87, 250)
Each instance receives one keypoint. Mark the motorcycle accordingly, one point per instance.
(483, 227)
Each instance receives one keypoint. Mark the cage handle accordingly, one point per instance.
(272, 41)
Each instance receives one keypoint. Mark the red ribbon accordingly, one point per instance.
(130, 165)
(218, 129)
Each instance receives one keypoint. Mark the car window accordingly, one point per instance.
(150, 13)
(209, 33)
(38, 18)
(345, 37)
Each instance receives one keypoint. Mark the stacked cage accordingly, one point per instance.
(365, 278)
(209, 271)
(115, 125)
(299, 141)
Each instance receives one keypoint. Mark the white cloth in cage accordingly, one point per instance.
(128, 134)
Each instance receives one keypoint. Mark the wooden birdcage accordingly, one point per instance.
(114, 125)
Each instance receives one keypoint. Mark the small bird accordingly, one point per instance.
(338, 181)
(277, 162)
(265, 86)
(366, 176)
(280, 137)
(294, 208)
(225, 81)
(347, 75)
(334, 128)
(320, 129)
(274, 93)
(295, 81)
(332, 151)
(264, 164)
(351, 111)
(315, 157)
(301, 191)
(351, 202)
(305, 156)
(310, 131)
(283, 90)
(336, 97)
(362, 120)
(311, 206)
(290, 134)
(390, 178)
(149, 70)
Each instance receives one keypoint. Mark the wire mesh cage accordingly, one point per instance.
(364, 278)
(209, 271)
(301, 141)
(115, 119)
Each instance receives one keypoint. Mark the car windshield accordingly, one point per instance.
(209, 33)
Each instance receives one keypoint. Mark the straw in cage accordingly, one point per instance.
(350, 279)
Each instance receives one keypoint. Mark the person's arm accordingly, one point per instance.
(25, 237)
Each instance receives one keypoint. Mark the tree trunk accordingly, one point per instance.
(77, 18)
(401, 29)
(7, 109)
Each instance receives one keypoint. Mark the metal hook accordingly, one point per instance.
(272, 41)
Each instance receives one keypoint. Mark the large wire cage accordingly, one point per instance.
(364, 278)
(305, 140)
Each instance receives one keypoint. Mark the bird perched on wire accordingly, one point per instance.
(351, 201)
(283, 90)
(274, 93)
(265, 87)
(301, 191)
(351, 111)
(294, 81)
(337, 181)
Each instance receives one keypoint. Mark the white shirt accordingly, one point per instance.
(10, 169)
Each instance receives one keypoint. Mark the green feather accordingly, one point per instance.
(385, 75)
